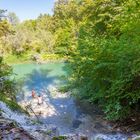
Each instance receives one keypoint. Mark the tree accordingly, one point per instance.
(4, 25)
(13, 19)
(5, 29)
(106, 62)
(2, 14)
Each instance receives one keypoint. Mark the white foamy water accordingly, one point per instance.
(36, 130)
(110, 137)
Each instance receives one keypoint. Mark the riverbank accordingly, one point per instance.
(22, 122)
(9, 130)
(31, 58)
(130, 126)
(12, 104)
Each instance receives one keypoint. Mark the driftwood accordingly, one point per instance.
(28, 107)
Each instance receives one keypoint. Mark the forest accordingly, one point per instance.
(100, 40)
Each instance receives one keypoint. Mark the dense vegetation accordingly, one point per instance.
(101, 40)
(7, 86)
(106, 62)
(103, 45)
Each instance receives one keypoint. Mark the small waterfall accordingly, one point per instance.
(38, 131)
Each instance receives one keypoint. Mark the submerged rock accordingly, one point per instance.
(76, 123)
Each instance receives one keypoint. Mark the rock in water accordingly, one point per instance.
(76, 123)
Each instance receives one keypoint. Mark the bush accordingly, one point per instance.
(7, 87)
(106, 70)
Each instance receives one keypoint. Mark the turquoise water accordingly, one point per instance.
(38, 77)
(51, 69)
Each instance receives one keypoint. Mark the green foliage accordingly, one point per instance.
(13, 19)
(106, 62)
(4, 28)
(47, 34)
(7, 87)
(51, 57)
(59, 138)
(11, 103)
(12, 59)
(64, 89)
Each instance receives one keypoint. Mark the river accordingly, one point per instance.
(59, 109)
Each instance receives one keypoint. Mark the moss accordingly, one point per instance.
(12, 104)
(137, 132)
(63, 89)
(49, 132)
(59, 138)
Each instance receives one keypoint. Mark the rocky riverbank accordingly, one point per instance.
(19, 126)
(13, 124)
(9, 130)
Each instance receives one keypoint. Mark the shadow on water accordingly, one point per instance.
(39, 79)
